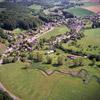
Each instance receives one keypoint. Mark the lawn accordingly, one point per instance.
(79, 11)
(92, 37)
(30, 84)
(56, 31)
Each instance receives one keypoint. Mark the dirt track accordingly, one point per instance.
(4, 89)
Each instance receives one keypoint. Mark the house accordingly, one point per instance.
(50, 51)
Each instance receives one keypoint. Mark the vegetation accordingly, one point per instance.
(56, 31)
(79, 12)
(20, 81)
(4, 96)
(49, 56)
(90, 43)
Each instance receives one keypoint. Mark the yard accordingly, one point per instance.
(31, 84)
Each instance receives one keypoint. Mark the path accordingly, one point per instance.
(10, 94)
(40, 34)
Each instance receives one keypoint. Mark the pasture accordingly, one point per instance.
(30, 84)
(90, 43)
(18, 31)
(87, 4)
(79, 12)
(35, 7)
(56, 31)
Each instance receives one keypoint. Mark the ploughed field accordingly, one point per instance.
(30, 84)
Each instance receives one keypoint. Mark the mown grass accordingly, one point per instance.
(56, 31)
(30, 84)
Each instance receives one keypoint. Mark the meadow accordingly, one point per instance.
(90, 43)
(87, 4)
(31, 84)
(79, 11)
(35, 7)
(56, 31)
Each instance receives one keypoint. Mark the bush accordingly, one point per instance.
(38, 57)
(4, 96)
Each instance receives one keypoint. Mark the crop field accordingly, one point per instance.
(95, 9)
(31, 84)
(79, 11)
(92, 39)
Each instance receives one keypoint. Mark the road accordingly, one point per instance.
(11, 95)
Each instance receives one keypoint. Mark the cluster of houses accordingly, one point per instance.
(26, 41)
(75, 27)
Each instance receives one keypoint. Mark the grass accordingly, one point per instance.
(79, 11)
(92, 37)
(31, 84)
(18, 31)
(2, 9)
(87, 4)
(35, 7)
(56, 31)
(1, 0)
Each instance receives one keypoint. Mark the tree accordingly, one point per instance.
(5, 96)
(39, 57)
(77, 62)
(93, 62)
(60, 60)
(30, 57)
(49, 60)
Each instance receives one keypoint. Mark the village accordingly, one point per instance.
(49, 50)
(30, 41)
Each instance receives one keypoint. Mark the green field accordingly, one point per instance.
(79, 11)
(18, 31)
(56, 31)
(32, 85)
(92, 37)
(87, 4)
(35, 7)
(1, 0)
